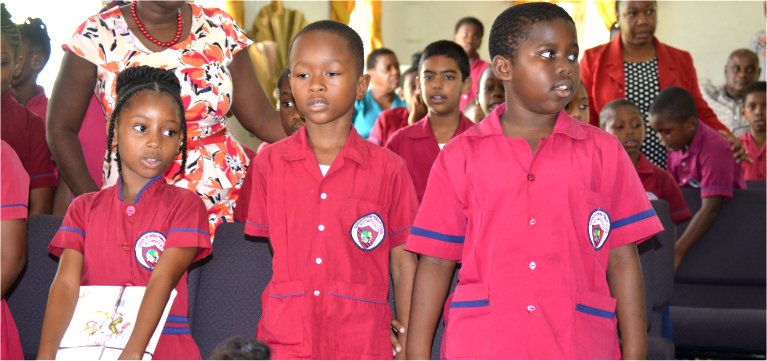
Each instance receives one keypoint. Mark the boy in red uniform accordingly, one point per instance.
(489, 96)
(578, 108)
(443, 77)
(524, 200)
(698, 157)
(468, 34)
(753, 139)
(394, 119)
(623, 119)
(336, 209)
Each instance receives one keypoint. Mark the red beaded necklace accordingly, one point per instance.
(164, 44)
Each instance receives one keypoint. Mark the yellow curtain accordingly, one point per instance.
(236, 9)
(606, 9)
(366, 20)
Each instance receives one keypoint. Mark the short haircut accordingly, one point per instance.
(754, 87)
(450, 50)
(34, 32)
(471, 21)
(612, 106)
(513, 25)
(9, 31)
(373, 56)
(675, 104)
(283, 78)
(747, 52)
(239, 348)
(351, 37)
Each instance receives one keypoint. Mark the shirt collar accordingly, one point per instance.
(354, 149)
(697, 140)
(422, 128)
(564, 125)
(644, 166)
(148, 188)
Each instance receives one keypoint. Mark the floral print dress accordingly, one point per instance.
(216, 162)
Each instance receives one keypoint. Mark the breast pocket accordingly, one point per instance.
(366, 225)
(282, 320)
(595, 325)
(469, 329)
(359, 318)
(592, 220)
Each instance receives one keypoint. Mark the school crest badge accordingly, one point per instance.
(368, 232)
(149, 246)
(599, 228)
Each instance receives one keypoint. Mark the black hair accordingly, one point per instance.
(353, 39)
(9, 31)
(34, 32)
(133, 80)
(617, 9)
(755, 87)
(615, 104)
(471, 21)
(373, 56)
(283, 78)
(513, 25)
(450, 50)
(676, 104)
(239, 348)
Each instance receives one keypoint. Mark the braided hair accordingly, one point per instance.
(34, 32)
(9, 31)
(136, 79)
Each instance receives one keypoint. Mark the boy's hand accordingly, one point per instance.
(419, 109)
(739, 152)
(396, 329)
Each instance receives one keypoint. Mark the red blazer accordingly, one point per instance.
(602, 75)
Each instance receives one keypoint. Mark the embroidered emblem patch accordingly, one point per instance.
(368, 232)
(149, 246)
(599, 228)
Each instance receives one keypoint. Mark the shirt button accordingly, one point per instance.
(324, 195)
(131, 210)
(684, 164)
(530, 308)
(532, 221)
(318, 260)
(532, 265)
(321, 227)
(531, 177)
(316, 292)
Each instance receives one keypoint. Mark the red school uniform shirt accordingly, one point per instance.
(121, 243)
(755, 170)
(707, 164)
(331, 238)
(534, 233)
(388, 122)
(13, 205)
(662, 185)
(418, 146)
(25, 133)
(477, 66)
(38, 104)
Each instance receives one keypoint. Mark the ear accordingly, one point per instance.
(114, 139)
(18, 67)
(502, 68)
(362, 86)
(691, 124)
(466, 87)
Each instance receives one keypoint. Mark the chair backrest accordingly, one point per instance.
(227, 288)
(732, 251)
(27, 300)
(657, 258)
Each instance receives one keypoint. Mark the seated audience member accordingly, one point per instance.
(21, 129)
(394, 119)
(383, 68)
(623, 119)
(742, 69)
(35, 49)
(468, 34)
(753, 140)
(238, 348)
(292, 120)
(443, 76)
(578, 108)
(489, 96)
(698, 157)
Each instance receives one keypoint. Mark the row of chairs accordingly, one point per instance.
(225, 288)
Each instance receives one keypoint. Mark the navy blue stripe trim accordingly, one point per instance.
(436, 235)
(14, 205)
(400, 231)
(256, 224)
(467, 304)
(72, 229)
(190, 230)
(42, 175)
(633, 219)
(594, 311)
(177, 319)
(356, 299)
(286, 296)
(175, 330)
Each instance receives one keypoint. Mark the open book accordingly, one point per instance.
(103, 322)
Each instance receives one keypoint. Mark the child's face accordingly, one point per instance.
(409, 86)
(323, 77)
(148, 135)
(441, 85)
(676, 135)
(543, 76)
(578, 108)
(491, 91)
(28, 64)
(754, 110)
(469, 38)
(10, 66)
(385, 75)
(292, 119)
(627, 125)
(637, 21)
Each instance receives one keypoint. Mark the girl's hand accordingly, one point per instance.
(396, 329)
(739, 152)
(128, 355)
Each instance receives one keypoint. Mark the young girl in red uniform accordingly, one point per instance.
(109, 238)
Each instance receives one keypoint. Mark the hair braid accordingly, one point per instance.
(9, 31)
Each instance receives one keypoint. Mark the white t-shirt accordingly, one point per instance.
(441, 146)
(324, 169)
